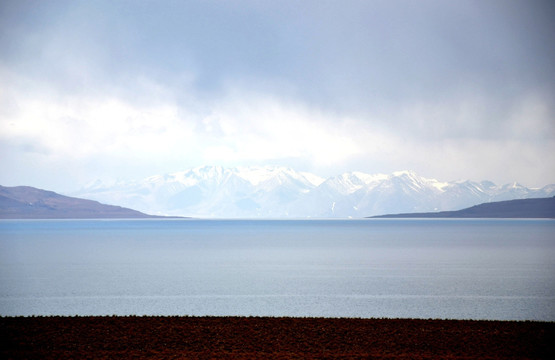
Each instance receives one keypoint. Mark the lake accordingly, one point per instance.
(458, 269)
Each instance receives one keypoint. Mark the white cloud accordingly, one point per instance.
(237, 129)
(254, 127)
(532, 118)
(122, 137)
(81, 127)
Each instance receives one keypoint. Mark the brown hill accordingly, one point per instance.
(25, 202)
(521, 208)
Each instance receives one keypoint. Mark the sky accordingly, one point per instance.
(128, 89)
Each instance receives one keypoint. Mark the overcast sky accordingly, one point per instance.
(128, 89)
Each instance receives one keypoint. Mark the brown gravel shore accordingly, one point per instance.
(271, 338)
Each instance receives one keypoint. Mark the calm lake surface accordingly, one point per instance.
(464, 269)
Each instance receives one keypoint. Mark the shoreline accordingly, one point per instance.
(158, 337)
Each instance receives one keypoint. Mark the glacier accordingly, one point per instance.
(282, 192)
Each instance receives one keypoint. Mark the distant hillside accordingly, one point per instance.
(524, 208)
(25, 202)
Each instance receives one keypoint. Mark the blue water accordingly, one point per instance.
(463, 269)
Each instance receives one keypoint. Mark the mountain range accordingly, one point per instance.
(25, 202)
(280, 192)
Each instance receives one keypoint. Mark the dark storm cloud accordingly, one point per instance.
(348, 53)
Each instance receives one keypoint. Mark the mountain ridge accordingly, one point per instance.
(281, 192)
(518, 208)
(26, 202)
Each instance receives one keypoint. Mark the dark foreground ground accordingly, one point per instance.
(271, 338)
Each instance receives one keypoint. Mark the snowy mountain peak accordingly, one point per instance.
(370, 178)
(408, 173)
(346, 183)
(208, 172)
(410, 176)
(275, 191)
(257, 175)
(313, 179)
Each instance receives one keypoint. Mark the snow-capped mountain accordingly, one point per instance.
(212, 191)
(277, 192)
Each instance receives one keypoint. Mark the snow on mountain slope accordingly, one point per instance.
(277, 192)
(313, 179)
(212, 191)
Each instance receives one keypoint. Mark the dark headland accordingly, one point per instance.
(271, 338)
(522, 208)
(25, 202)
